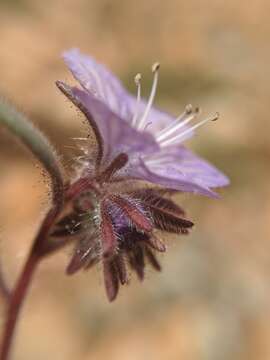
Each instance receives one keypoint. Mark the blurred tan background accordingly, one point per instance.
(211, 302)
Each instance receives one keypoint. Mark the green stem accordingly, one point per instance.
(37, 143)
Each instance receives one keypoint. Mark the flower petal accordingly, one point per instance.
(169, 179)
(109, 109)
(182, 161)
(96, 79)
(179, 168)
(115, 134)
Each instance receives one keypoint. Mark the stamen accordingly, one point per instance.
(158, 162)
(80, 138)
(188, 110)
(155, 69)
(137, 80)
(186, 132)
(175, 126)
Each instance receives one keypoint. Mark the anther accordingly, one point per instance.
(216, 117)
(155, 67)
(137, 80)
(188, 109)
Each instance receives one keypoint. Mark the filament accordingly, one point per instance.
(155, 69)
(137, 80)
(180, 136)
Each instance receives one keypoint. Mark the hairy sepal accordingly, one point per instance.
(134, 212)
(107, 233)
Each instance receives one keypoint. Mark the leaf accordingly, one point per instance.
(153, 197)
(118, 163)
(70, 224)
(156, 244)
(136, 260)
(152, 259)
(85, 254)
(108, 236)
(110, 279)
(168, 222)
(165, 213)
(121, 268)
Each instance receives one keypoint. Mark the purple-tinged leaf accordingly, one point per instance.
(152, 259)
(133, 212)
(108, 235)
(84, 253)
(121, 268)
(155, 243)
(110, 279)
(136, 260)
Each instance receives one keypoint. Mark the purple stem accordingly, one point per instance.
(17, 297)
(4, 290)
(15, 304)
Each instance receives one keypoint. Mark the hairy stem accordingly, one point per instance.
(18, 295)
(4, 290)
(36, 142)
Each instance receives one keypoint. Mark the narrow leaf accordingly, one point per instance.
(136, 260)
(110, 279)
(108, 236)
(169, 222)
(134, 212)
(153, 198)
(152, 259)
(156, 243)
(84, 253)
(121, 268)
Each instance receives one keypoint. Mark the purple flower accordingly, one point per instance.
(110, 211)
(151, 138)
